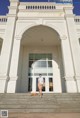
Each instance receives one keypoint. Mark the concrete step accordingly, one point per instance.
(44, 115)
(41, 110)
(48, 103)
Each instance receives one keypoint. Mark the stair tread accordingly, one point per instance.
(65, 102)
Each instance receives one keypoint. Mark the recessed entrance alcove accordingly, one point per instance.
(40, 53)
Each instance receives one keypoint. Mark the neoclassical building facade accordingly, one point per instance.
(40, 38)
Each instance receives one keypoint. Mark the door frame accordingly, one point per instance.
(34, 84)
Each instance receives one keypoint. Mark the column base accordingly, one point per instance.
(3, 84)
(71, 85)
(12, 85)
(78, 83)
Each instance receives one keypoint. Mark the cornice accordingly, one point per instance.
(41, 10)
(36, 18)
(14, 0)
(12, 7)
(69, 15)
(68, 7)
(3, 23)
(12, 15)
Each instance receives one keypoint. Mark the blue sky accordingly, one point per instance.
(5, 3)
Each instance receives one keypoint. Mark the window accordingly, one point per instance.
(50, 84)
(40, 62)
(49, 63)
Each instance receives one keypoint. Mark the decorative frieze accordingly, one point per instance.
(77, 19)
(3, 19)
(33, 7)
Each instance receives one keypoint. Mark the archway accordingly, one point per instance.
(40, 52)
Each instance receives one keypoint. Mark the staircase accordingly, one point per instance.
(55, 102)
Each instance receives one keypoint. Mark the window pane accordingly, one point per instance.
(44, 56)
(29, 84)
(49, 56)
(39, 60)
(40, 56)
(31, 56)
(37, 64)
(43, 64)
(50, 74)
(50, 84)
(49, 63)
(30, 64)
(40, 64)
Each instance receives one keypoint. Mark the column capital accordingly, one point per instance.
(70, 78)
(77, 77)
(14, 0)
(13, 8)
(13, 78)
(4, 77)
(68, 11)
(63, 37)
(18, 37)
(67, 8)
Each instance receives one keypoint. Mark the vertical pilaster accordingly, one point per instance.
(68, 66)
(74, 44)
(14, 67)
(8, 45)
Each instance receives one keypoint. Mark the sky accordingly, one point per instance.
(5, 3)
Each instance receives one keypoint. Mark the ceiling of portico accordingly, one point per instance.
(40, 36)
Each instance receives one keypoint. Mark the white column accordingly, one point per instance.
(33, 84)
(14, 67)
(47, 84)
(8, 45)
(74, 44)
(68, 66)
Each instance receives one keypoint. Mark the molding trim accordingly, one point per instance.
(14, 0)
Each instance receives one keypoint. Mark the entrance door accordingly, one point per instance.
(48, 84)
(40, 64)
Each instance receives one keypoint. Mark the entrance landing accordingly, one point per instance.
(44, 115)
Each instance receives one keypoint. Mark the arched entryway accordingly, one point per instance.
(40, 52)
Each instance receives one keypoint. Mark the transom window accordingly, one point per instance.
(40, 63)
(40, 60)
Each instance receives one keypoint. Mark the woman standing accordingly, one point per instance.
(40, 84)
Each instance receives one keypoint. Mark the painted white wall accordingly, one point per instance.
(20, 20)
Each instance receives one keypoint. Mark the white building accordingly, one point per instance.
(40, 37)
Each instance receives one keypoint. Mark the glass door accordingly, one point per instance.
(40, 64)
(37, 84)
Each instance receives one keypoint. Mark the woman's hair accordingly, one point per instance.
(40, 74)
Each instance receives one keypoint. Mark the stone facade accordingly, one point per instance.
(39, 28)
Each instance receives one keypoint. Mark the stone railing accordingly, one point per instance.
(56, 1)
(77, 19)
(41, 7)
(61, 1)
(3, 19)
